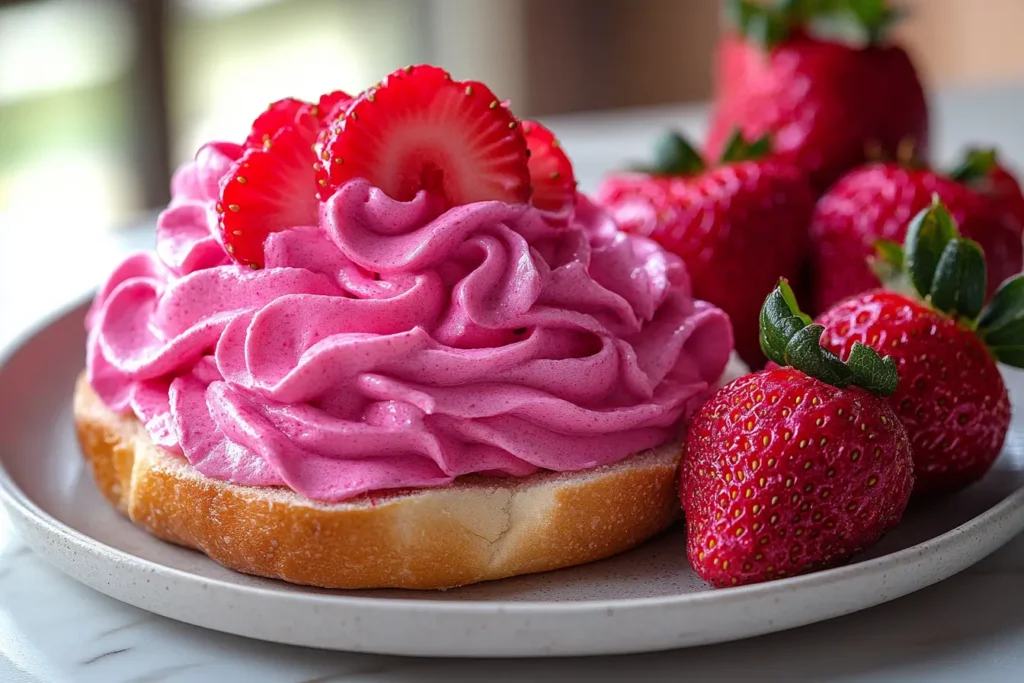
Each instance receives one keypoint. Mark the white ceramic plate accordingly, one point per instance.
(644, 600)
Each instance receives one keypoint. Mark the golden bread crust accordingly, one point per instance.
(477, 529)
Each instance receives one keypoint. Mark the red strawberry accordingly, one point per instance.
(981, 170)
(824, 102)
(286, 113)
(270, 188)
(877, 201)
(787, 472)
(551, 173)
(332, 105)
(739, 225)
(951, 398)
(421, 130)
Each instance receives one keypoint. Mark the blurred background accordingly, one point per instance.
(100, 99)
(104, 97)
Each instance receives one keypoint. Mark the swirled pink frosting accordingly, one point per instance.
(394, 345)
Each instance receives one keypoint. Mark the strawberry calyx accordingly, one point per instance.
(948, 272)
(944, 268)
(772, 23)
(766, 24)
(789, 338)
(976, 166)
(872, 17)
(675, 156)
(1001, 324)
(740, 148)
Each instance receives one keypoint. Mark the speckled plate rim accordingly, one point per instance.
(67, 548)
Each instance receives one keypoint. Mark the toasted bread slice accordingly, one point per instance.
(476, 529)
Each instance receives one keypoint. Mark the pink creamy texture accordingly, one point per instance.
(396, 346)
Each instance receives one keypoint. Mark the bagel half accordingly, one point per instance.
(476, 529)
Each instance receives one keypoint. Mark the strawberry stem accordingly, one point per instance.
(789, 338)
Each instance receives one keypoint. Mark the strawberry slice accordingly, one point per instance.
(420, 130)
(269, 189)
(332, 105)
(551, 174)
(288, 112)
(321, 158)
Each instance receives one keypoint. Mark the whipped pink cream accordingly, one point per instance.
(395, 345)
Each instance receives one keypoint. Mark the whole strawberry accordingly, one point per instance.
(739, 225)
(878, 200)
(794, 468)
(951, 397)
(824, 102)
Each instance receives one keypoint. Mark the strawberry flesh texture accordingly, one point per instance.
(551, 174)
(270, 188)
(824, 103)
(738, 228)
(332, 106)
(951, 398)
(784, 474)
(878, 201)
(420, 130)
(286, 113)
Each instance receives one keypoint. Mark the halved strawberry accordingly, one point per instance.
(420, 130)
(271, 188)
(551, 174)
(332, 105)
(288, 112)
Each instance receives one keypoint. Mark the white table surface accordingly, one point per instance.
(54, 630)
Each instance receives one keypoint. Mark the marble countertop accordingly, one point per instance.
(54, 630)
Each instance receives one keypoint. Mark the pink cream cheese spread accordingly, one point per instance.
(397, 345)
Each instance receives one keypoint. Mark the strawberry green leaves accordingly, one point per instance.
(874, 16)
(763, 24)
(888, 265)
(891, 253)
(946, 269)
(1001, 325)
(741, 149)
(976, 165)
(949, 272)
(674, 155)
(771, 23)
(959, 282)
(928, 234)
(789, 338)
(781, 319)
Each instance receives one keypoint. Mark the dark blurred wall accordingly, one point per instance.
(599, 54)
